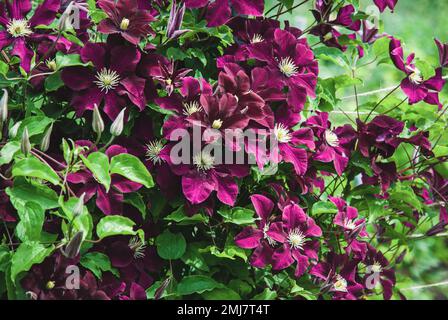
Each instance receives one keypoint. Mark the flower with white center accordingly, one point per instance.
(340, 284)
(266, 236)
(203, 161)
(19, 28)
(217, 124)
(137, 246)
(281, 133)
(288, 67)
(256, 38)
(416, 77)
(350, 224)
(124, 25)
(153, 150)
(376, 267)
(296, 238)
(107, 79)
(191, 107)
(331, 138)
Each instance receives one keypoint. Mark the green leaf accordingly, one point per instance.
(35, 124)
(196, 284)
(26, 255)
(32, 167)
(221, 294)
(267, 294)
(136, 200)
(4, 68)
(237, 215)
(326, 207)
(98, 263)
(181, 218)
(131, 168)
(23, 191)
(31, 222)
(171, 246)
(115, 225)
(69, 60)
(53, 82)
(83, 222)
(8, 151)
(98, 163)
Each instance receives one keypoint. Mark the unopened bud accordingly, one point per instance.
(45, 143)
(97, 121)
(73, 247)
(4, 106)
(14, 130)
(79, 207)
(25, 145)
(117, 126)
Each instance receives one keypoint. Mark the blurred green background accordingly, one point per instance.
(424, 272)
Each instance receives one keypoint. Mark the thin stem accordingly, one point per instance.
(381, 101)
(288, 10)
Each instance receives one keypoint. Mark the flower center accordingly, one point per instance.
(124, 25)
(137, 245)
(340, 284)
(19, 28)
(416, 77)
(331, 138)
(256, 38)
(376, 267)
(191, 107)
(296, 239)
(282, 133)
(50, 285)
(153, 150)
(107, 79)
(328, 36)
(203, 161)
(266, 236)
(217, 124)
(288, 67)
(350, 224)
(51, 64)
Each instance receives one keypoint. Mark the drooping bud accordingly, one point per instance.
(117, 126)
(4, 106)
(97, 121)
(73, 247)
(45, 143)
(79, 207)
(14, 129)
(25, 145)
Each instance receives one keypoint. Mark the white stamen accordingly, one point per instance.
(288, 67)
(136, 245)
(416, 77)
(271, 241)
(331, 138)
(376, 267)
(350, 224)
(124, 25)
(296, 239)
(281, 133)
(153, 150)
(203, 161)
(256, 38)
(191, 107)
(217, 124)
(19, 28)
(107, 79)
(340, 285)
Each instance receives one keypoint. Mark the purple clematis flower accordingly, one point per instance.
(299, 245)
(265, 236)
(112, 79)
(443, 53)
(7, 211)
(291, 64)
(383, 4)
(414, 86)
(328, 148)
(219, 11)
(19, 29)
(126, 19)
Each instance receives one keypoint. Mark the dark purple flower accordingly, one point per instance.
(19, 30)
(126, 19)
(383, 4)
(175, 21)
(112, 79)
(414, 85)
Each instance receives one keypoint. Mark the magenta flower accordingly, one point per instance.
(290, 63)
(126, 19)
(414, 86)
(265, 236)
(443, 53)
(328, 145)
(383, 4)
(112, 79)
(299, 244)
(19, 30)
(219, 11)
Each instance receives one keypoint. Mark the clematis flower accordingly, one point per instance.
(328, 146)
(414, 86)
(19, 29)
(262, 238)
(437, 192)
(299, 245)
(126, 19)
(383, 4)
(290, 63)
(443, 53)
(7, 212)
(379, 270)
(219, 11)
(339, 275)
(109, 202)
(112, 79)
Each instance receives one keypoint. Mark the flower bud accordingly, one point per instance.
(4, 106)
(45, 143)
(73, 247)
(14, 129)
(97, 121)
(117, 126)
(79, 207)
(25, 145)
